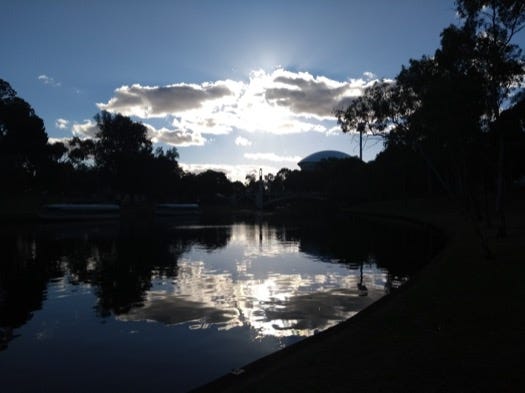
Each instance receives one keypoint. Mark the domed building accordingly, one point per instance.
(310, 162)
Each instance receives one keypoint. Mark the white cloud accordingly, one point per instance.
(175, 137)
(335, 130)
(369, 75)
(310, 96)
(160, 101)
(47, 80)
(61, 123)
(278, 102)
(86, 130)
(241, 141)
(271, 157)
(210, 125)
(64, 140)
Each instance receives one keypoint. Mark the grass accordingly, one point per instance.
(458, 326)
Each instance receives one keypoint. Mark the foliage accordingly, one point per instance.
(23, 141)
(119, 140)
(383, 105)
(208, 187)
(448, 107)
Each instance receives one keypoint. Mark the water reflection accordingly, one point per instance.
(271, 303)
(218, 294)
(270, 277)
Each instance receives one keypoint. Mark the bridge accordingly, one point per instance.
(276, 200)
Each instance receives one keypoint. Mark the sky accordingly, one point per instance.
(233, 85)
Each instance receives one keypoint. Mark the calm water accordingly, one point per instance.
(87, 307)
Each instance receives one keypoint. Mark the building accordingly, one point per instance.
(310, 162)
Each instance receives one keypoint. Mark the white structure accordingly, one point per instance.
(310, 162)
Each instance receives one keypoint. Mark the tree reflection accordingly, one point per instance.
(24, 274)
(210, 238)
(399, 248)
(124, 269)
(120, 264)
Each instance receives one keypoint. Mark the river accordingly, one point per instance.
(90, 307)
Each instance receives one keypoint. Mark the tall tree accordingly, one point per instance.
(123, 153)
(23, 140)
(496, 22)
(80, 152)
(119, 138)
(166, 173)
(382, 106)
(443, 106)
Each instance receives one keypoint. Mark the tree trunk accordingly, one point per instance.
(434, 170)
(500, 187)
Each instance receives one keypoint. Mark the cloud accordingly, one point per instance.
(61, 123)
(47, 80)
(175, 137)
(64, 140)
(271, 157)
(277, 102)
(335, 130)
(160, 101)
(241, 141)
(86, 130)
(311, 96)
(212, 125)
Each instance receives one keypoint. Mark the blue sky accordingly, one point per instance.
(234, 85)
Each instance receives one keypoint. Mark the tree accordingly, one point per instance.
(81, 151)
(443, 106)
(446, 127)
(166, 172)
(208, 187)
(382, 106)
(119, 138)
(57, 151)
(123, 153)
(23, 141)
(496, 22)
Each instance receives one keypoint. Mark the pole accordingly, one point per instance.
(361, 145)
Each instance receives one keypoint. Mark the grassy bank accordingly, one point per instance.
(458, 326)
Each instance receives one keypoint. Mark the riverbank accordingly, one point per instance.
(458, 326)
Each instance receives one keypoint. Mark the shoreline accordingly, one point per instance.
(449, 329)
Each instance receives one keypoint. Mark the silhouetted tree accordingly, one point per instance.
(495, 23)
(122, 153)
(166, 172)
(23, 141)
(443, 106)
(81, 151)
(208, 187)
(445, 127)
(382, 106)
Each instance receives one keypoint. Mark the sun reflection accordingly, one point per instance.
(267, 285)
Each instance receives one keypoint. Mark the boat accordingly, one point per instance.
(112, 211)
(80, 211)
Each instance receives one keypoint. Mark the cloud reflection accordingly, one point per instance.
(264, 284)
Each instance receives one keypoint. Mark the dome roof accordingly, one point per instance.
(309, 162)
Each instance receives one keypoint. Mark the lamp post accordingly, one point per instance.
(259, 197)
